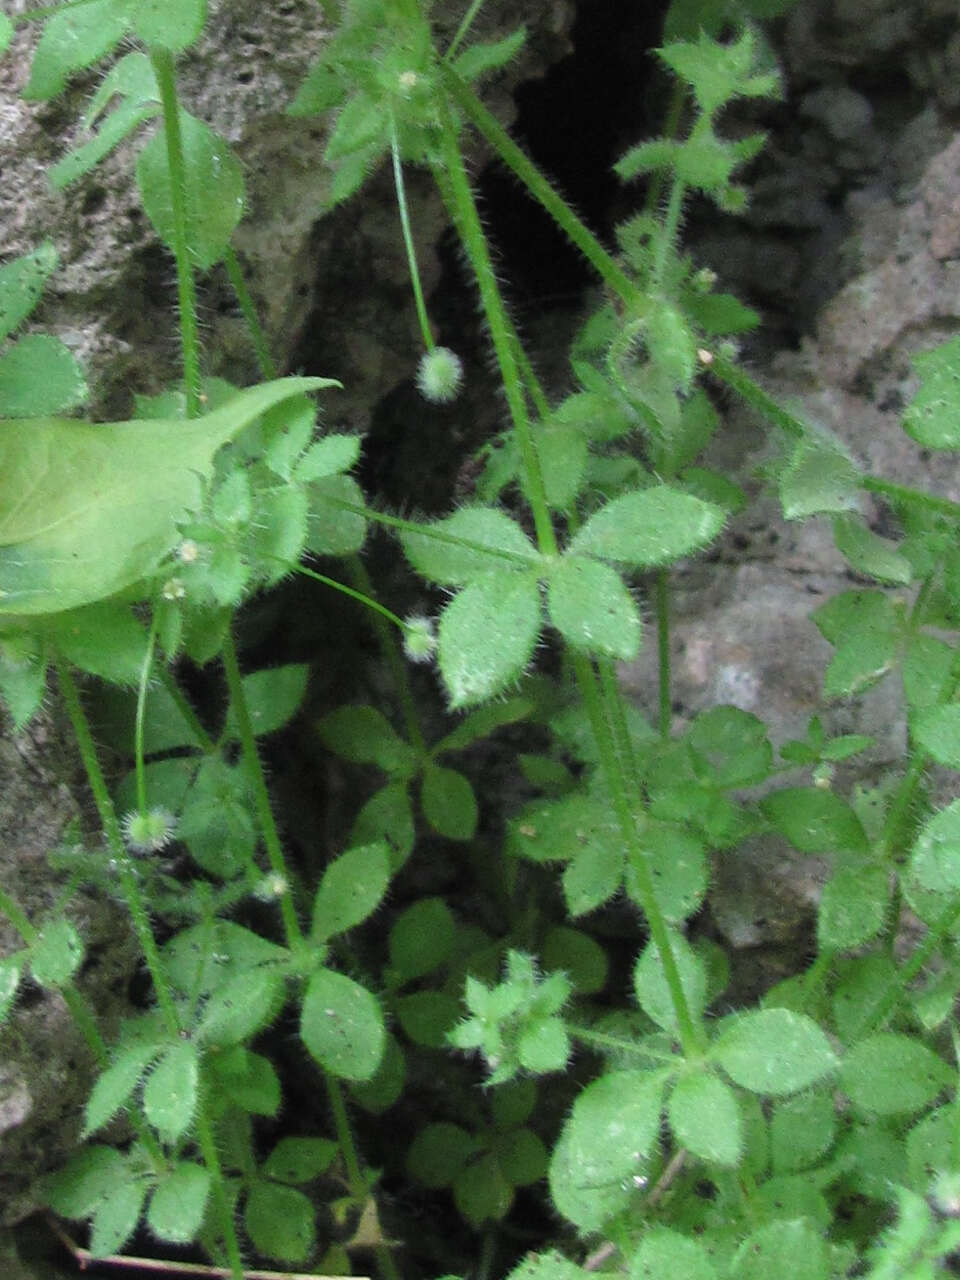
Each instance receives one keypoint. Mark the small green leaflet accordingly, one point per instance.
(351, 889)
(170, 1093)
(933, 416)
(341, 1024)
(89, 510)
(487, 634)
(774, 1051)
(650, 527)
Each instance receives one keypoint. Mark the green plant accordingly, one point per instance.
(818, 1130)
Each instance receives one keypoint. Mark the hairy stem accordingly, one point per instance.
(163, 67)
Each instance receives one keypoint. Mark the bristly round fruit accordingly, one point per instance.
(440, 375)
(148, 832)
(420, 639)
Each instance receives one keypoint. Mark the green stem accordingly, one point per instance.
(265, 361)
(111, 829)
(140, 718)
(365, 600)
(463, 28)
(356, 1182)
(691, 1036)
(258, 787)
(899, 494)
(163, 67)
(667, 236)
(409, 246)
(613, 700)
(389, 649)
(455, 180)
(914, 966)
(508, 151)
(211, 1158)
(662, 598)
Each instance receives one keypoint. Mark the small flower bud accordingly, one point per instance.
(407, 80)
(188, 551)
(440, 375)
(173, 589)
(271, 887)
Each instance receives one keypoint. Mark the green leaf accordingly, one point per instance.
(421, 939)
(21, 284)
(890, 1074)
(350, 891)
(482, 722)
(592, 609)
(555, 830)
(819, 477)
(522, 1157)
(718, 73)
(815, 821)
(74, 38)
(179, 1203)
(383, 1089)
(866, 628)
(562, 452)
(801, 1131)
(662, 1253)
(487, 634)
(331, 529)
(322, 89)
(360, 124)
(280, 1221)
(649, 527)
(121, 122)
(56, 954)
(449, 804)
(247, 1079)
(213, 188)
(933, 416)
(764, 1253)
(11, 970)
(387, 815)
(115, 1219)
(774, 1051)
(439, 1152)
(495, 543)
(481, 58)
(579, 956)
(6, 32)
(705, 1118)
(427, 1017)
(114, 1087)
(594, 875)
(868, 553)
(933, 872)
(296, 1160)
(731, 747)
(365, 736)
(327, 457)
(38, 375)
(853, 907)
(216, 822)
(273, 698)
(170, 1093)
(650, 982)
(105, 640)
(242, 1004)
(543, 1045)
(549, 1266)
(587, 1203)
(937, 731)
(91, 1175)
(481, 1192)
(926, 672)
(171, 24)
(23, 678)
(341, 1024)
(608, 1138)
(58, 548)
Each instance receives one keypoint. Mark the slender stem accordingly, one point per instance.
(388, 647)
(211, 1158)
(662, 598)
(475, 244)
(463, 28)
(914, 966)
(265, 361)
(691, 1036)
(359, 1188)
(365, 600)
(141, 717)
(258, 787)
(667, 235)
(409, 246)
(613, 700)
(899, 494)
(538, 186)
(111, 829)
(163, 67)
